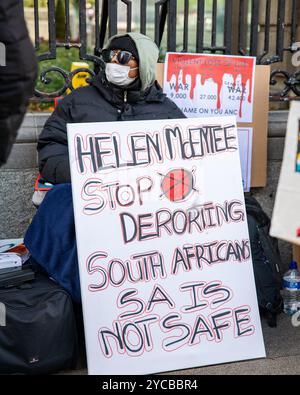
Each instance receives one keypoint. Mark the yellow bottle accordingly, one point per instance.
(79, 79)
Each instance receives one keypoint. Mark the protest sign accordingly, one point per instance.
(245, 138)
(286, 218)
(214, 85)
(163, 246)
(211, 85)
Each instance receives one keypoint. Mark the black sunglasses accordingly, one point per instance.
(123, 56)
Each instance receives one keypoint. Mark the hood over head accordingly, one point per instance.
(124, 43)
(147, 56)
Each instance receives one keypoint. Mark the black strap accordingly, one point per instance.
(270, 252)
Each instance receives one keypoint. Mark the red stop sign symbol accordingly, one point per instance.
(177, 184)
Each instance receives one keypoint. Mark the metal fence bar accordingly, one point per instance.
(83, 50)
(214, 26)
(267, 33)
(160, 20)
(67, 21)
(97, 29)
(242, 30)
(267, 27)
(52, 27)
(254, 28)
(103, 23)
(156, 22)
(36, 25)
(113, 17)
(143, 16)
(128, 13)
(200, 25)
(82, 28)
(280, 29)
(186, 26)
(228, 26)
(172, 19)
(52, 33)
(295, 6)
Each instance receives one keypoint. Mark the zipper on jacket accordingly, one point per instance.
(125, 96)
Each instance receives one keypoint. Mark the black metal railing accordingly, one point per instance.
(244, 27)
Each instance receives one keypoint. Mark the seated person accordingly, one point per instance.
(125, 91)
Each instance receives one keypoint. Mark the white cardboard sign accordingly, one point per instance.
(204, 85)
(286, 215)
(215, 85)
(245, 138)
(163, 246)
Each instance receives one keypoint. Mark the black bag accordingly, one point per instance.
(37, 328)
(266, 261)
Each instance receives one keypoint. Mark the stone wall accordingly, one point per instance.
(17, 179)
(18, 175)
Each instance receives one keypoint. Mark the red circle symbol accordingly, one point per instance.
(177, 184)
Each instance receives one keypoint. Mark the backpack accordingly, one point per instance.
(266, 261)
(38, 332)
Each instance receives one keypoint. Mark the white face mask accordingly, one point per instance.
(118, 74)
